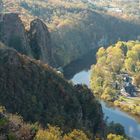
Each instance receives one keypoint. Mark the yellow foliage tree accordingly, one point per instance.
(76, 135)
(52, 133)
(115, 137)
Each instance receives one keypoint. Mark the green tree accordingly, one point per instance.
(115, 128)
(115, 59)
(130, 65)
(101, 52)
(137, 80)
(109, 94)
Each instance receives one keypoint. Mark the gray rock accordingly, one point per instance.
(40, 41)
(13, 34)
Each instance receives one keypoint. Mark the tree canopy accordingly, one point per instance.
(122, 57)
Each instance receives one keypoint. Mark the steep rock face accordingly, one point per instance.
(38, 93)
(12, 33)
(40, 41)
(36, 43)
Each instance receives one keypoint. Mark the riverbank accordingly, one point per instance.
(122, 107)
(116, 75)
(113, 113)
(78, 65)
(130, 105)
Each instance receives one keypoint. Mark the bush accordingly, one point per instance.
(115, 137)
(76, 135)
(11, 136)
(52, 133)
(115, 128)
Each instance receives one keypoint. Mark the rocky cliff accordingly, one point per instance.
(40, 41)
(38, 93)
(35, 43)
(13, 34)
(70, 41)
(76, 27)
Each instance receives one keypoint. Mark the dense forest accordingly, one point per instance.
(126, 9)
(116, 66)
(76, 27)
(39, 94)
(12, 127)
(40, 41)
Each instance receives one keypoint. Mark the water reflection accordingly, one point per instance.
(81, 78)
(132, 127)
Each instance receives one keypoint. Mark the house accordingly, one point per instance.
(124, 93)
(130, 89)
(60, 70)
(127, 87)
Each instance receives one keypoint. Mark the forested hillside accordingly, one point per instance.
(12, 127)
(116, 75)
(76, 27)
(39, 36)
(40, 94)
(127, 9)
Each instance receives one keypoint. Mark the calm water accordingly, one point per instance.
(132, 127)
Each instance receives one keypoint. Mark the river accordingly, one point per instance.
(130, 124)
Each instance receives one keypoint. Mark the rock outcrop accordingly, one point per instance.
(38, 93)
(40, 41)
(35, 43)
(13, 34)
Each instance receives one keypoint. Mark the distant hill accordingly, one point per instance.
(127, 9)
(76, 27)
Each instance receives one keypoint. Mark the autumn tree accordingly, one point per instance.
(76, 135)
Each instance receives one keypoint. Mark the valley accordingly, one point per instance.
(111, 113)
(44, 44)
(75, 28)
(39, 94)
(118, 81)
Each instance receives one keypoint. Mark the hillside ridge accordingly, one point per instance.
(38, 93)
